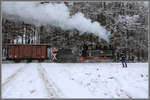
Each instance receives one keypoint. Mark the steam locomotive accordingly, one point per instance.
(43, 52)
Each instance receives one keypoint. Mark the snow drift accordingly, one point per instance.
(54, 14)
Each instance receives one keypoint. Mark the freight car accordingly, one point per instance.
(27, 52)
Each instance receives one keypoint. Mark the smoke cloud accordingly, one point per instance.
(55, 14)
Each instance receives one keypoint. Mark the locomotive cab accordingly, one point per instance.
(97, 53)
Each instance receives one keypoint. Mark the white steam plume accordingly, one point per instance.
(52, 14)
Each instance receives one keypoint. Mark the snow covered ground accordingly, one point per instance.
(74, 80)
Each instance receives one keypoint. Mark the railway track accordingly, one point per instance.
(11, 78)
(16, 83)
(52, 90)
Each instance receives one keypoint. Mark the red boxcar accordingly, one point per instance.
(19, 52)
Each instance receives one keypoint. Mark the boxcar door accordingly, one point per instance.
(27, 51)
(16, 52)
(38, 52)
(11, 52)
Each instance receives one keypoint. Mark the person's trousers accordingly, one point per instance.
(124, 63)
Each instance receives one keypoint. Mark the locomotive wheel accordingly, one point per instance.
(16, 60)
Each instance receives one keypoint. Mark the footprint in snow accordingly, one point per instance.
(30, 81)
(105, 94)
(111, 77)
(142, 75)
(99, 75)
(72, 78)
(88, 84)
(32, 91)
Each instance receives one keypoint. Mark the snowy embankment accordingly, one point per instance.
(78, 80)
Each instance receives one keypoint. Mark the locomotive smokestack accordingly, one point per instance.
(54, 14)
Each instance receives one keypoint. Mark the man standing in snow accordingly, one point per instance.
(123, 59)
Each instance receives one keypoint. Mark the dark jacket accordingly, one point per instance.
(123, 58)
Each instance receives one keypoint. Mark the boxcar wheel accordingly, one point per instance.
(16, 60)
(41, 60)
(28, 61)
